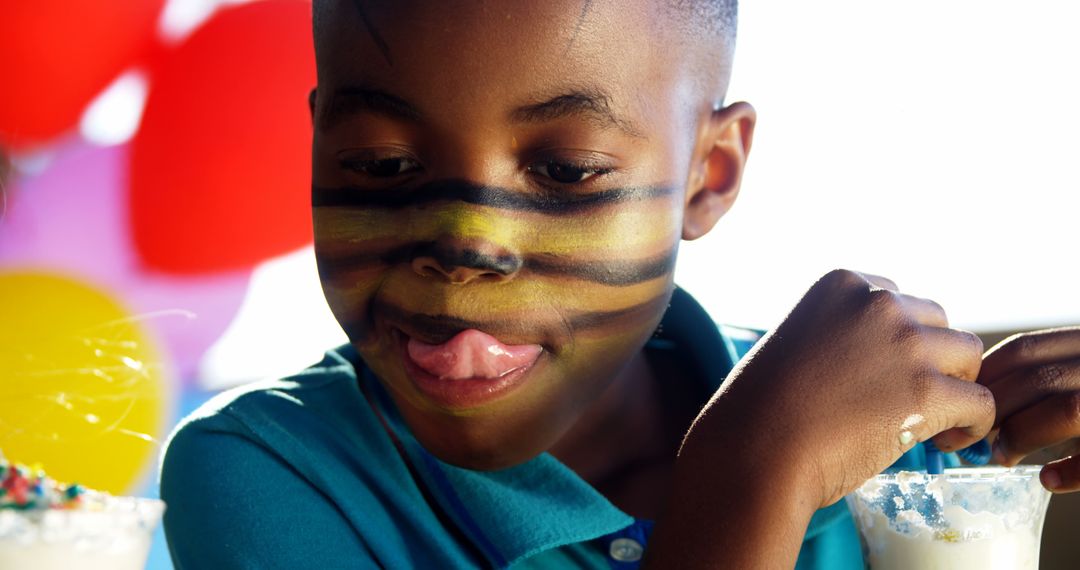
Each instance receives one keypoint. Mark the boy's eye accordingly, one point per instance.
(564, 173)
(382, 168)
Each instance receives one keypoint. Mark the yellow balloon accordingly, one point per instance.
(82, 386)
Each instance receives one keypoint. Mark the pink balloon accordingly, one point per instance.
(73, 218)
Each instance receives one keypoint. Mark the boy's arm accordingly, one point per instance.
(818, 407)
(231, 504)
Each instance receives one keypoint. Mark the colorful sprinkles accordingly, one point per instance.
(27, 488)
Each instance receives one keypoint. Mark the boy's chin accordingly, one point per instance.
(483, 459)
(491, 451)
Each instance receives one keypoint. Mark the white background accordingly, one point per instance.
(935, 143)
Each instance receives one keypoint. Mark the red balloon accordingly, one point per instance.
(221, 166)
(56, 55)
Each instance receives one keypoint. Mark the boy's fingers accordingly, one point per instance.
(969, 409)
(1030, 349)
(925, 311)
(956, 353)
(1024, 387)
(1062, 476)
(883, 282)
(1049, 422)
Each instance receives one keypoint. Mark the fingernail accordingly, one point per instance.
(1051, 479)
(997, 452)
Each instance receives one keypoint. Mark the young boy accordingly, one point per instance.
(499, 192)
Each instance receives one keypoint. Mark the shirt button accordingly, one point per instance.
(626, 550)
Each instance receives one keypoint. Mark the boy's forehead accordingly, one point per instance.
(496, 55)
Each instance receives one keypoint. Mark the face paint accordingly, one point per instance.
(467, 225)
(469, 257)
(356, 233)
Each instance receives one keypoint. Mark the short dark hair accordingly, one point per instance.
(714, 18)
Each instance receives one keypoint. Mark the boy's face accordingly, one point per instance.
(514, 168)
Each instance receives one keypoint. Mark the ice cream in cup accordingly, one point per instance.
(47, 525)
(983, 517)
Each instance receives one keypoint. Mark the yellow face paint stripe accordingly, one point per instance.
(512, 299)
(631, 229)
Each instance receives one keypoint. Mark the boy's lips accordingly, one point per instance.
(471, 354)
(470, 369)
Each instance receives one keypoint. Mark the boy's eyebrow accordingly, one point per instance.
(592, 104)
(350, 100)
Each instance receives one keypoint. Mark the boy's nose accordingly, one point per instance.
(462, 262)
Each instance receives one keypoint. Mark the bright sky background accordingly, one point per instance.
(933, 142)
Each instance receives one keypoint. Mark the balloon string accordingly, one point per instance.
(123, 372)
(91, 419)
(3, 194)
(189, 315)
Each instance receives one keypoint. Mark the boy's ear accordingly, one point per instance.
(311, 103)
(719, 160)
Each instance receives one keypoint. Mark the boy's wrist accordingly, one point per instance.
(743, 515)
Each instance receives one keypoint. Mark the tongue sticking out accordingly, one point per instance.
(471, 354)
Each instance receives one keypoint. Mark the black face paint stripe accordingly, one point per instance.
(619, 319)
(616, 272)
(551, 202)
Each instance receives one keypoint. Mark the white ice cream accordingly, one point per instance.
(116, 536)
(978, 518)
(970, 541)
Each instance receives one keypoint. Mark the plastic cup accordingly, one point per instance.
(113, 533)
(983, 517)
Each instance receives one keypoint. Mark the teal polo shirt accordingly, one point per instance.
(319, 470)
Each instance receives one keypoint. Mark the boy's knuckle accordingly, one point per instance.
(934, 306)
(983, 402)
(975, 340)
(907, 337)
(972, 345)
(1049, 377)
(1072, 411)
(841, 279)
(1025, 346)
(885, 303)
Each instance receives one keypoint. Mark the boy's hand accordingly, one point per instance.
(856, 375)
(833, 389)
(1035, 379)
(854, 366)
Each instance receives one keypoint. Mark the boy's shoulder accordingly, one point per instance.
(302, 421)
(303, 448)
(327, 381)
